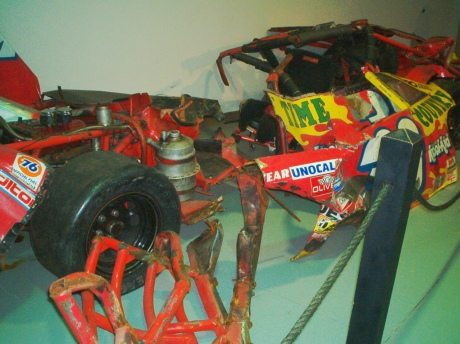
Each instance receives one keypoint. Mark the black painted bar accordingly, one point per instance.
(397, 164)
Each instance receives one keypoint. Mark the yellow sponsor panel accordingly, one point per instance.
(307, 115)
(430, 114)
(387, 91)
(429, 111)
(302, 115)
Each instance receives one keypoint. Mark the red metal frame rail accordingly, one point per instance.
(159, 327)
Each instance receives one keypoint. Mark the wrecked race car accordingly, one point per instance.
(336, 169)
(125, 166)
(329, 56)
(339, 135)
(324, 114)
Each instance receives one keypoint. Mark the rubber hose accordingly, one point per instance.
(429, 206)
(4, 124)
(140, 134)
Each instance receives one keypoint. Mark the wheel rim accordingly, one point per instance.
(132, 218)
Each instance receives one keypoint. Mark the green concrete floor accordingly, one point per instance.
(425, 306)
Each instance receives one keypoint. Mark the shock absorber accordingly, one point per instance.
(175, 157)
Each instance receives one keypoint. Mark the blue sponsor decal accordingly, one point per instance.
(311, 170)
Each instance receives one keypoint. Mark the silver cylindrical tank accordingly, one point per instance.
(104, 116)
(175, 157)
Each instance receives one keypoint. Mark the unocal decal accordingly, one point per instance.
(28, 170)
(311, 170)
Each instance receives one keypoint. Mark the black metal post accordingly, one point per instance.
(398, 161)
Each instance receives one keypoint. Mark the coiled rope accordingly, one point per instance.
(338, 268)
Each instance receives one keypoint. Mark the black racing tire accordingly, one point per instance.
(107, 193)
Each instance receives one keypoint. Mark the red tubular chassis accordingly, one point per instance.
(351, 46)
(159, 326)
(203, 252)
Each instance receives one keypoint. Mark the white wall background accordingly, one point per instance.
(170, 46)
